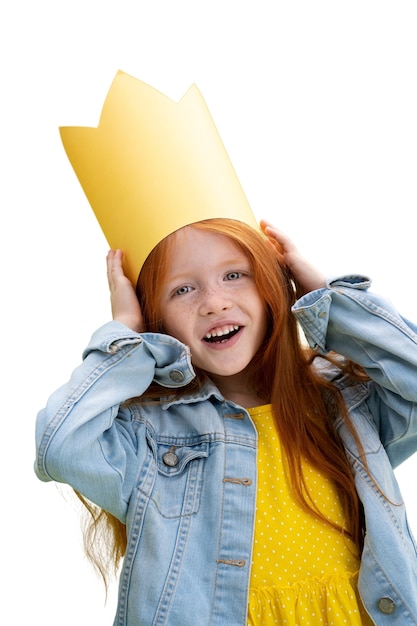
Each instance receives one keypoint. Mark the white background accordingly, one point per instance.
(316, 103)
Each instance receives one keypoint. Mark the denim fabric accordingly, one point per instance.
(182, 473)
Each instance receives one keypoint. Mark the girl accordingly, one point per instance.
(245, 478)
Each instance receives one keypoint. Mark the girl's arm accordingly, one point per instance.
(346, 318)
(343, 316)
(83, 436)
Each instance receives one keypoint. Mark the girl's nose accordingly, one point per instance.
(214, 300)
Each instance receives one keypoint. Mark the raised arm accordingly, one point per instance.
(85, 435)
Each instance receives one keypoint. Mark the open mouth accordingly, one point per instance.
(222, 336)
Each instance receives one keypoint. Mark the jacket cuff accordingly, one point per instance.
(312, 310)
(356, 281)
(171, 357)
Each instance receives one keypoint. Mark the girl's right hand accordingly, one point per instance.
(307, 277)
(124, 303)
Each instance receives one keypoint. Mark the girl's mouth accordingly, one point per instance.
(222, 335)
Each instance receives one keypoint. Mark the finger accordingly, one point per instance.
(114, 264)
(272, 232)
(114, 257)
(284, 244)
(115, 275)
(276, 247)
(275, 238)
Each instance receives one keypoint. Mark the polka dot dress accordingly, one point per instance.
(304, 572)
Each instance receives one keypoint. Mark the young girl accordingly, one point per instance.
(245, 478)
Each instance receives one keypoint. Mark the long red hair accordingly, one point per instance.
(304, 405)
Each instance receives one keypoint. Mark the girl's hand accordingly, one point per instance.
(124, 303)
(306, 276)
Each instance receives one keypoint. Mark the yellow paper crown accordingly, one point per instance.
(153, 166)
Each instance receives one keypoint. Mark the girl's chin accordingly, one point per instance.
(224, 372)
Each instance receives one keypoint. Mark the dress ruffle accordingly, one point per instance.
(328, 601)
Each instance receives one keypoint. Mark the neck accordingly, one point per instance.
(237, 389)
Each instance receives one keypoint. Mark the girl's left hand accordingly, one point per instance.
(307, 277)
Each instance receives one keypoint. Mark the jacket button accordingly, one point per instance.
(177, 376)
(170, 458)
(386, 606)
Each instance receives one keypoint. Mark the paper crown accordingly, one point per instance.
(153, 166)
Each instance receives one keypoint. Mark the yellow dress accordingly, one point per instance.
(304, 572)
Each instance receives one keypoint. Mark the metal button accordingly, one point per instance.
(386, 606)
(177, 376)
(238, 481)
(234, 562)
(170, 458)
(235, 416)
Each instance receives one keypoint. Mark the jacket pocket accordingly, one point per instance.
(179, 477)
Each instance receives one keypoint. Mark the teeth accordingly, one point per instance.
(220, 332)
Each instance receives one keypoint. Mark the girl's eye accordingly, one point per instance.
(233, 275)
(182, 290)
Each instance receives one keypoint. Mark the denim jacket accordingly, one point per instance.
(181, 474)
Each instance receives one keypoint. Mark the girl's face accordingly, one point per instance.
(210, 302)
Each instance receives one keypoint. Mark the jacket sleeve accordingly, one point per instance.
(348, 319)
(83, 438)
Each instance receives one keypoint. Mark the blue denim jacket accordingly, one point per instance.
(182, 474)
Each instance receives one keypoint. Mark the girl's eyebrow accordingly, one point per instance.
(232, 263)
